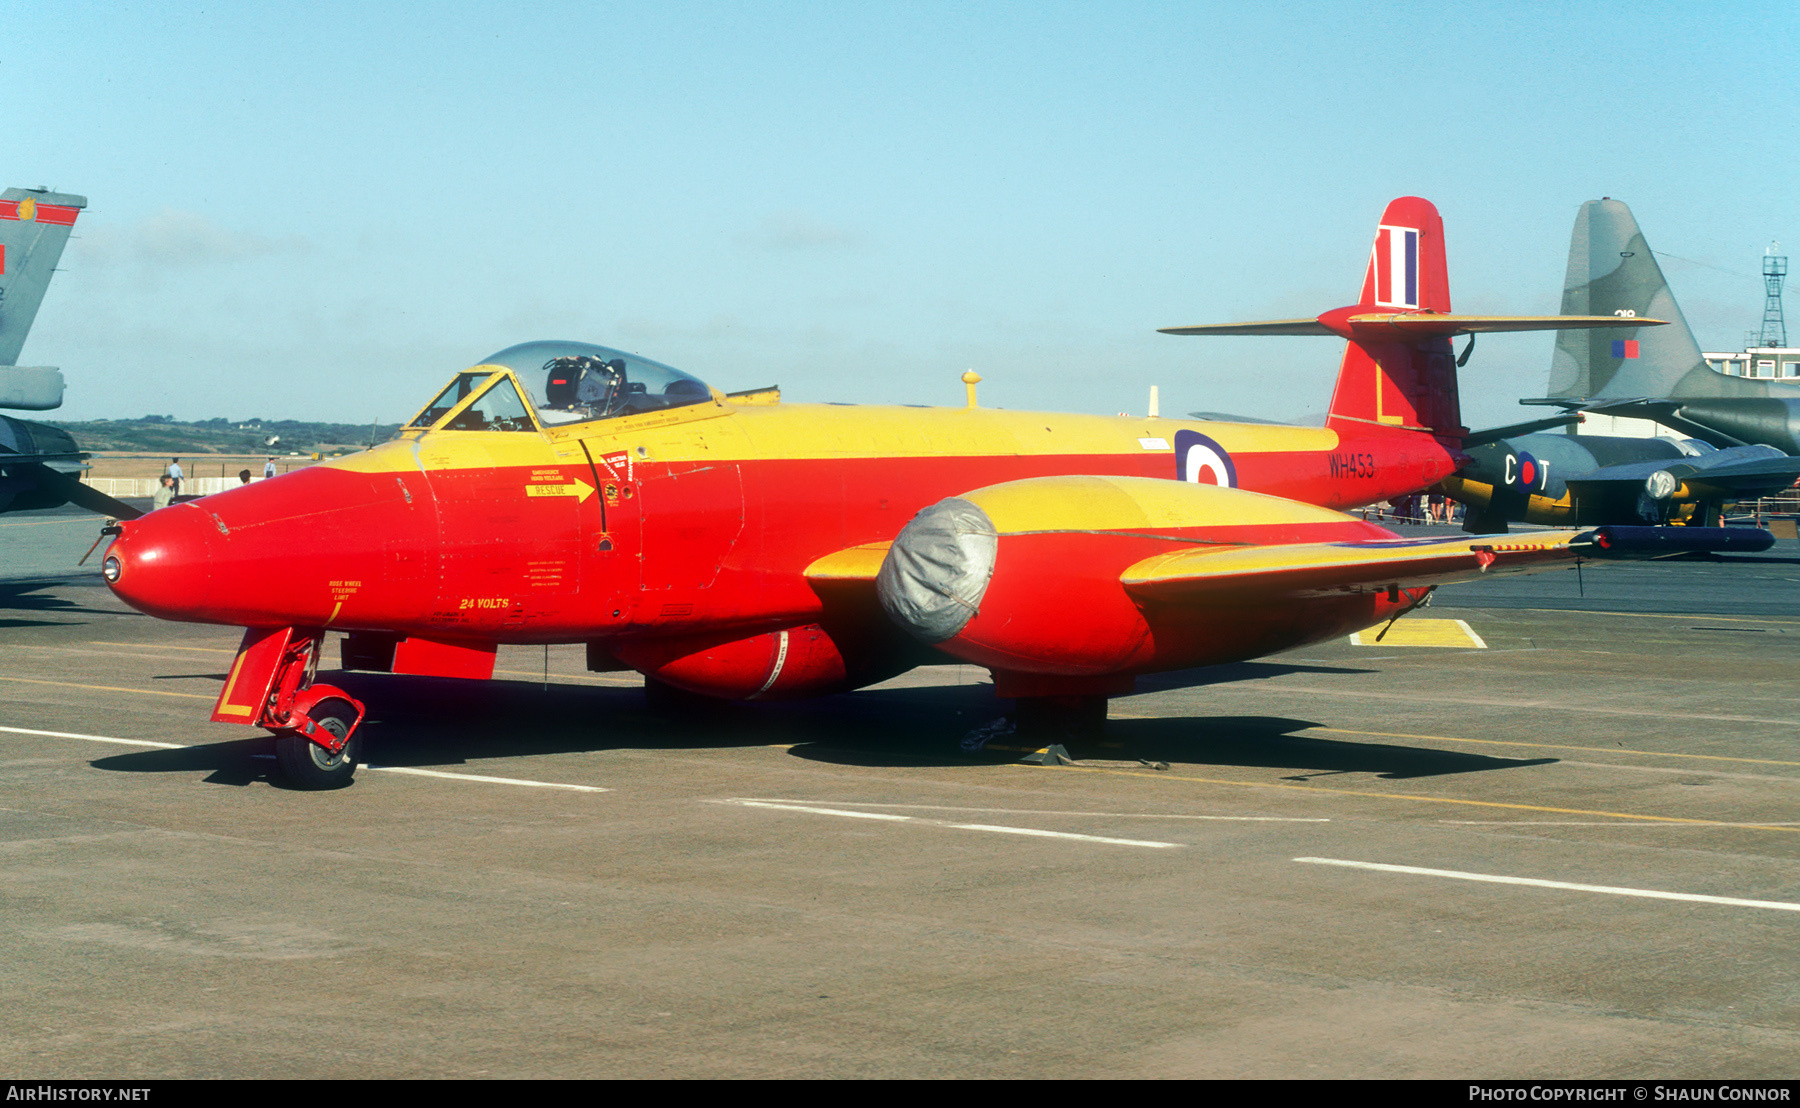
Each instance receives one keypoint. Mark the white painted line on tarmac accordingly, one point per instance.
(1496, 879)
(414, 772)
(93, 738)
(1053, 812)
(947, 824)
(378, 769)
(821, 811)
(1057, 835)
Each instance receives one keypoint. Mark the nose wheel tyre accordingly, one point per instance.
(306, 764)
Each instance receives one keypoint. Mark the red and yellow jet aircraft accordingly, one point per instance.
(737, 547)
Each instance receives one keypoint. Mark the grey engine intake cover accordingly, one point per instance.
(938, 569)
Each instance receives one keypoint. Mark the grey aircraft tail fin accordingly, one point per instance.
(1612, 271)
(34, 225)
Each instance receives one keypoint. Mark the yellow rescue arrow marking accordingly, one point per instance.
(578, 488)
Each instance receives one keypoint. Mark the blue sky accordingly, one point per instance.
(322, 211)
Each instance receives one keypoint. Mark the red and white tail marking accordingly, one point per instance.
(1396, 266)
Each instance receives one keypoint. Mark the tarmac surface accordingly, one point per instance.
(1591, 828)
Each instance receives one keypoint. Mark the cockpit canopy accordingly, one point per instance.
(565, 382)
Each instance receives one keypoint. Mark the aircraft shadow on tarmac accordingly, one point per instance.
(437, 723)
(1235, 672)
(1259, 742)
(27, 596)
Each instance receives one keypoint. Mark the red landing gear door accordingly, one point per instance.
(252, 674)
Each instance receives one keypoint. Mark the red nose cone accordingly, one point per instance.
(318, 547)
(161, 564)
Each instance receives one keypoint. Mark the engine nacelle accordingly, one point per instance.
(1024, 577)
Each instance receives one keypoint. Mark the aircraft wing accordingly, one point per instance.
(850, 570)
(1312, 569)
(1754, 476)
(1316, 569)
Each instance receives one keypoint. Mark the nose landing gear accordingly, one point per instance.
(318, 750)
(271, 685)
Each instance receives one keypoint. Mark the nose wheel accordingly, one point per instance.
(308, 764)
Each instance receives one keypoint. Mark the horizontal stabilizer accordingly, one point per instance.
(1425, 323)
(1228, 417)
(1268, 327)
(1408, 325)
(1495, 434)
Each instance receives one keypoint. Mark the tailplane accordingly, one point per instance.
(1399, 370)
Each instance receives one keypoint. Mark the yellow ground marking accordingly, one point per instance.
(160, 646)
(1423, 632)
(1166, 776)
(1560, 746)
(102, 688)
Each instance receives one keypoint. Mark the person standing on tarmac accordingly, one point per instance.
(175, 474)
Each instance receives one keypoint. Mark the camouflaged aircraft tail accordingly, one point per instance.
(1612, 271)
(34, 226)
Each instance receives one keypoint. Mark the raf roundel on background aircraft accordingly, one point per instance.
(736, 547)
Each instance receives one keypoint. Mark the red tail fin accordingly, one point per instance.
(1410, 381)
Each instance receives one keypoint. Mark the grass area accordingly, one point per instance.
(161, 435)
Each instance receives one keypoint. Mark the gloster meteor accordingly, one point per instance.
(737, 547)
